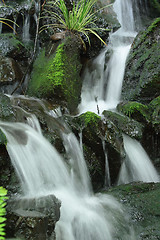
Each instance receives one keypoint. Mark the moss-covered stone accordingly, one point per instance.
(154, 6)
(142, 75)
(154, 105)
(142, 202)
(89, 118)
(101, 139)
(6, 110)
(11, 45)
(58, 77)
(146, 114)
(135, 110)
(6, 114)
(3, 139)
(126, 125)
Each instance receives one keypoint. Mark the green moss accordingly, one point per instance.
(3, 139)
(89, 118)
(142, 74)
(155, 107)
(48, 73)
(135, 110)
(125, 124)
(9, 42)
(156, 5)
(57, 77)
(150, 29)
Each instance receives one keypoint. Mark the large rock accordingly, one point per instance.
(9, 71)
(142, 202)
(102, 141)
(142, 75)
(32, 218)
(149, 116)
(126, 125)
(59, 78)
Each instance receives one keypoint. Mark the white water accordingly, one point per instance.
(1, 27)
(137, 165)
(101, 88)
(26, 28)
(42, 171)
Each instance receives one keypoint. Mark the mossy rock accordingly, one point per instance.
(11, 46)
(3, 139)
(154, 7)
(100, 138)
(135, 110)
(148, 114)
(6, 114)
(6, 109)
(126, 125)
(142, 75)
(155, 107)
(142, 203)
(59, 78)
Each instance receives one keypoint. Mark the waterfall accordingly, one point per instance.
(42, 171)
(137, 165)
(26, 28)
(102, 85)
(1, 27)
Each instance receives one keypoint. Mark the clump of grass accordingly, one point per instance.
(3, 197)
(81, 19)
(7, 21)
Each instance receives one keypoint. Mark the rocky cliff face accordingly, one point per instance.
(142, 75)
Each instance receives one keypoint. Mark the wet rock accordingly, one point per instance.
(126, 125)
(57, 36)
(142, 203)
(33, 218)
(149, 116)
(59, 79)
(142, 75)
(12, 46)
(100, 138)
(6, 109)
(9, 71)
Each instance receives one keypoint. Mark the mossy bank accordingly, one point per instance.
(56, 77)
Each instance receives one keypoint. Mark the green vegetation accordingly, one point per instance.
(148, 114)
(136, 110)
(3, 193)
(155, 108)
(7, 21)
(47, 76)
(89, 118)
(141, 82)
(3, 139)
(58, 79)
(80, 19)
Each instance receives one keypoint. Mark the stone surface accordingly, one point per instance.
(142, 74)
(142, 202)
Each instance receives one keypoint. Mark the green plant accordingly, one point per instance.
(3, 193)
(7, 21)
(81, 19)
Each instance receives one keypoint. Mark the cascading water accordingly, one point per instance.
(137, 165)
(102, 86)
(41, 169)
(42, 172)
(26, 28)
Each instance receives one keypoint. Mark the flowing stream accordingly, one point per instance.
(43, 171)
(102, 87)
